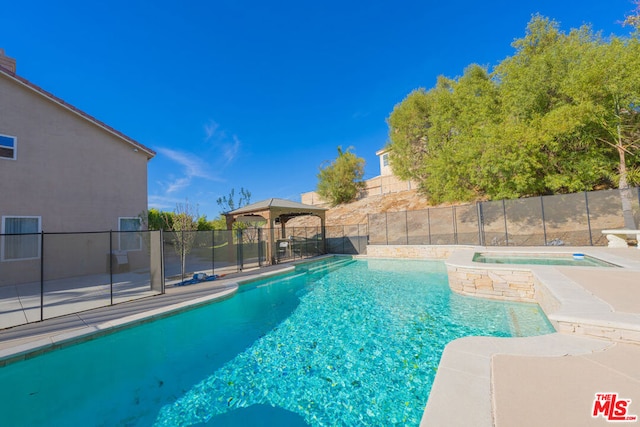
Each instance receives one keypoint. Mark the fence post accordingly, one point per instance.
(293, 239)
(162, 266)
(480, 223)
(386, 228)
(544, 224)
(183, 260)
(239, 253)
(429, 224)
(586, 204)
(41, 275)
(368, 219)
(406, 226)
(111, 265)
(506, 231)
(259, 247)
(455, 226)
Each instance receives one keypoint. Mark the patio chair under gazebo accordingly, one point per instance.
(276, 211)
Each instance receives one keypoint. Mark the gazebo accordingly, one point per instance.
(276, 211)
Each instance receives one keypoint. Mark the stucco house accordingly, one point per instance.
(62, 171)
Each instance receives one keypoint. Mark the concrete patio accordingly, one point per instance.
(551, 379)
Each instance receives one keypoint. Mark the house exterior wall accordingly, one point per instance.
(75, 175)
(385, 166)
(72, 173)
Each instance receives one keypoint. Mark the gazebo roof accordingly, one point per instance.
(280, 205)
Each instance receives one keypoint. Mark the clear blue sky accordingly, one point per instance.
(257, 94)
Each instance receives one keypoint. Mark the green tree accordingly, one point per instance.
(408, 128)
(158, 220)
(607, 83)
(437, 136)
(219, 223)
(203, 224)
(633, 18)
(229, 203)
(560, 115)
(341, 180)
(578, 93)
(466, 116)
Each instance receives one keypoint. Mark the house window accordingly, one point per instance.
(8, 146)
(20, 237)
(385, 159)
(129, 239)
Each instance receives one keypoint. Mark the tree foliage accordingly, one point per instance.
(183, 226)
(633, 18)
(341, 180)
(560, 115)
(229, 203)
(159, 220)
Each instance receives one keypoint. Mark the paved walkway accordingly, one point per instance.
(22, 303)
(17, 341)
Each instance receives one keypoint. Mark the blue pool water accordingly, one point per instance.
(356, 345)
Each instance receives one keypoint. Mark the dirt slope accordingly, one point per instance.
(356, 212)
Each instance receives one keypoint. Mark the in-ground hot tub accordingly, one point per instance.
(573, 259)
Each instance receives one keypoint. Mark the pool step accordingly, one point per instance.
(325, 268)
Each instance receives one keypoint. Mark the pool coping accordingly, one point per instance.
(95, 330)
(569, 306)
(584, 323)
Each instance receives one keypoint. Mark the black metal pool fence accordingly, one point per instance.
(575, 219)
(45, 275)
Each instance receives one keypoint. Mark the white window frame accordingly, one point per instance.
(121, 245)
(385, 159)
(3, 255)
(15, 147)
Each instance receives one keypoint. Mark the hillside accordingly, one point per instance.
(356, 212)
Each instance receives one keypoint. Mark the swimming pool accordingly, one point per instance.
(572, 259)
(359, 344)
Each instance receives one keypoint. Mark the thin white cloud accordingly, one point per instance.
(162, 202)
(192, 167)
(220, 141)
(178, 184)
(232, 150)
(210, 129)
(207, 165)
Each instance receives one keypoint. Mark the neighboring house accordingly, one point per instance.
(62, 171)
(385, 166)
(385, 183)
